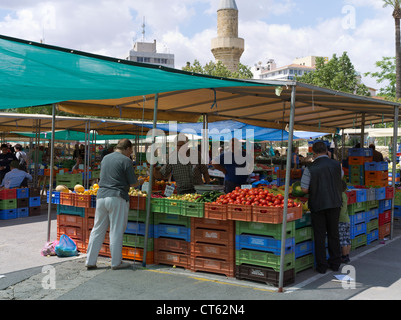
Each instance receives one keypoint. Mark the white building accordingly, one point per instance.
(146, 52)
(270, 71)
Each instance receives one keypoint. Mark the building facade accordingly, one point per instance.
(145, 52)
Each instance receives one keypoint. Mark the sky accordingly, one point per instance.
(272, 29)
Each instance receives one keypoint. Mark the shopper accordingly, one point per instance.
(21, 157)
(5, 159)
(344, 227)
(116, 177)
(295, 158)
(186, 176)
(15, 178)
(229, 162)
(377, 156)
(322, 180)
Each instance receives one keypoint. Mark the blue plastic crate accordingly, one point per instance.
(8, 214)
(384, 205)
(303, 248)
(381, 193)
(376, 166)
(23, 212)
(357, 218)
(34, 201)
(357, 229)
(263, 243)
(55, 197)
(372, 214)
(397, 211)
(360, 152)
(22, 193)
(139, 228)
(361, 195)
(172, 231)
(372, 236)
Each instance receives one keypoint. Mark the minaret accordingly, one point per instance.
(227, 47)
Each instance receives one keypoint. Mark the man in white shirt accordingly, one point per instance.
(15, 177)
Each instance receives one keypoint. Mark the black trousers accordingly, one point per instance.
(326, 222)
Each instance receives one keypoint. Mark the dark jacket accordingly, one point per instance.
(325, 186)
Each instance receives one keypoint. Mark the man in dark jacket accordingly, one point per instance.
(322, 180)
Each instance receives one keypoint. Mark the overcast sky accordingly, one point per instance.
(272, 29)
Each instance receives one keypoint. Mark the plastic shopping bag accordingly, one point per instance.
(49, 249)
(66, 247)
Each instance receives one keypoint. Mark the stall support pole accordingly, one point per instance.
(363, 131)
(149, 196)
(205, 145)
(49, 207)
(395, 133)
(287, 188)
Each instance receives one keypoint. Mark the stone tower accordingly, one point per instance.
(227, 47)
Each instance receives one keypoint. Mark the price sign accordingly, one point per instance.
(169, 190)
(246, 186)
(145, 186)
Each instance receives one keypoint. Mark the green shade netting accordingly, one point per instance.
(34, 74)
(68, 135)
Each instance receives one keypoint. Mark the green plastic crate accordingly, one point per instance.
(166, 218)
(303, 234)
(193, 209)
(95, 174)
(372, 225)
(265, 229)
(173, 206)
(359, 241)
(138, 215)
(372, 204)
(264, 259)
(356, 207)
(157, 204)
(137, 241)
(305, 262)
(8, 204)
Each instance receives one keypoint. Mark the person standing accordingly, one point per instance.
(322, 180)
(377, 156)
(21, 157)
(116, 177)
(344, 227)
(5, 159)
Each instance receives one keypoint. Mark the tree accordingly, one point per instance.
(219, 70)
(337, 74)
(387, 73)
(396, 5)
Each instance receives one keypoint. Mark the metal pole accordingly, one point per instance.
(363, 131)
(287, 188)
(395, 133)
(49, 207)
(149, 197)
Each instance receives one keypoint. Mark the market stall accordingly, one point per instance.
(119, 88)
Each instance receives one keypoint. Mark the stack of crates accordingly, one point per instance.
(357, 157)
(357, 207)
(258, 249)
(19, 203)
(213, 246)
(34, 201)
(385, 212)
(23, 203)
(376, 174)
(8, 204)
(304, 258)
(397, 204)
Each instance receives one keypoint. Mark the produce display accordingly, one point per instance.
(191, 197)
(209, 196)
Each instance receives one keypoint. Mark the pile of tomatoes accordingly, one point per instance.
(255, 197)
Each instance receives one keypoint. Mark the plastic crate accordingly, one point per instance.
(303, 248)
(137, 254)
(372, 214)
(304, 263)
(262, 274)
(55, 197)
(385, 217)
(34, 201)
(239, 212)
(356, 207)
(372, 236)
(132, 240)
(221, 237)
(303, 234)
(172, 231)
(34, 192)
(389, 193)
(384, 205)
(360, 152)
(67, 199)
(215, 211)
(174, 219)
(376, 175)
(370, 194)
(172, 258)
(193, 209)
(82, 200)
(93, 201)
(7, 214)
(384, 230)
(8, 194)
(264, 259)
(361, 195)
(380, 193)
(22, 193)
(63, 209)
(217, 266)
(357, 218)
(34, 211)
(376, 166)
(139, 228)
(22, 203)
(211, 250)
(358, 241)
(397, 211)
(351, 196)
(372, 225)
(172, 245)
(203, 223)
(305, 221)
(137, 215)
(173, 206)
(157, 204)
(275, 215)
(353, 160)
(377, 183)
(357, 229)
(23, 212)
(137, 202)
(373, 204)
(8, 204)
(71, 220)
(262, 243)
(265, 229)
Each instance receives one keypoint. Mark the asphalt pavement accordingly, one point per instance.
(375, 273)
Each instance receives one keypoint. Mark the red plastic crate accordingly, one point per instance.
(216, 211)
(275, 215)
(136, 202)
(172, 258)
(82, 200)
(351, 197)
(209, 250)
(136, 254)
(203, 223)
(384, 217)
(67, 199)
(172, 245)
(389, 192)
(239, 212)
(377, 183)
(218, 266)
(384, 230)
(70, 220)
(222, 237)
(376, 175)
(359, 160)
(8, 194)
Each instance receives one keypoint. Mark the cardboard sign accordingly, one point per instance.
(169, 190)
(246, 186)
(145, 186)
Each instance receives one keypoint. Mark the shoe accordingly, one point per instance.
(345, 259)
(321, 270)
(122, 265)
(90, 267)
(334, 268)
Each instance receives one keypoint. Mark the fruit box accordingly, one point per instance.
(275, 215)
(215, 211)
(239, 212)
(82, 200)
(137, 202)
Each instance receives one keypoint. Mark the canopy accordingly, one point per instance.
(95, 85)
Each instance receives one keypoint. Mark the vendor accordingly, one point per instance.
(227, 163)
(186, 176)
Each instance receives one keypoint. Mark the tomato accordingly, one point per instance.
(290, 205)
(248, 203)
(280, 197)
(277, 202)
(263, 201)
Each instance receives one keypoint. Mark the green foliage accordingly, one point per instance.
(386, 74)
(219, 70)
(337, 74)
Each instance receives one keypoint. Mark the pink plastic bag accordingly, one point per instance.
(49, 249)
